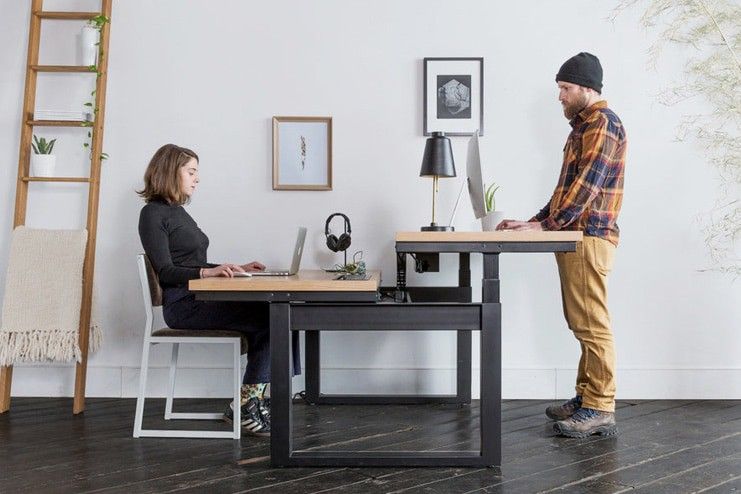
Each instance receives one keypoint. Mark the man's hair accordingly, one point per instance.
(162, 177)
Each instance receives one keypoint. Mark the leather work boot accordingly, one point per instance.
(564, 410)
(587, 422)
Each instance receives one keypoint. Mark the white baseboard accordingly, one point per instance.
(546, 384)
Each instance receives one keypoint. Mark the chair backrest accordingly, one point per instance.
(151, 288)
(147, 293)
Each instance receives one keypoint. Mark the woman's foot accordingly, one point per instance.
(255, 416)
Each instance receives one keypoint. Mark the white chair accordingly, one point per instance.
(152, 294)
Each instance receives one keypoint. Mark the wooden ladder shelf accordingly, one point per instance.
(93, 180)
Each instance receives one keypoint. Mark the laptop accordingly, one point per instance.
(295, 263)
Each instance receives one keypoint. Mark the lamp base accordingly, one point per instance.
(434, 227)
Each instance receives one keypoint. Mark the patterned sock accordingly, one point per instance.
(253, 390)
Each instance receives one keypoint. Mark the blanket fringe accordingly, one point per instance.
(41, 346)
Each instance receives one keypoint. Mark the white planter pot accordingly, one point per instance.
(88, 48)
(42, 165)
(491, 220)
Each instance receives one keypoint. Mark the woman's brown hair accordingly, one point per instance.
(162, 178)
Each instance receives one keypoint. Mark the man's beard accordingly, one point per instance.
(570, 110)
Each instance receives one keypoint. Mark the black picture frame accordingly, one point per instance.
(453, 95)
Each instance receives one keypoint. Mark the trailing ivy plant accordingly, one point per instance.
(712, 30)
(97, 22)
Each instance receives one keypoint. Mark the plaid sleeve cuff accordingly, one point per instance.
(549, 224)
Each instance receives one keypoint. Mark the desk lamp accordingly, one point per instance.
(437, 162)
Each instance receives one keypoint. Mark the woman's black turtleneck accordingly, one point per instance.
(175, 245)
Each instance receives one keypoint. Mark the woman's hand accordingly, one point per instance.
(253, 266)
(223, 270)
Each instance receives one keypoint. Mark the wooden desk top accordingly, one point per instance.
(497, 236)
(305, 281)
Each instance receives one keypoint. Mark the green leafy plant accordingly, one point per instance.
(709, 33)
(96, 22)
(42, 146)
(489, 201)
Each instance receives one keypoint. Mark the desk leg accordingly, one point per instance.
(463, 344)
(491, 363)
(313, 359)
(280, 384)
(463, 367)
(401, 277)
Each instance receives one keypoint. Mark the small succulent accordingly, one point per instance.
(42, 146)
(489, 197)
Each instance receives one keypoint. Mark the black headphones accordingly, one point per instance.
(338, 244)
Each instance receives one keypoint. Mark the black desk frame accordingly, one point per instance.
(459, 294)
(359, 311)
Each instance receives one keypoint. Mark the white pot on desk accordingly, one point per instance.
(491, 220)
(42, 165)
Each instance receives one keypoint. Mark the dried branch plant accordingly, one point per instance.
(712, 29)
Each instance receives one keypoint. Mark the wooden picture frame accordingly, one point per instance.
(302, 153)
(453, 96)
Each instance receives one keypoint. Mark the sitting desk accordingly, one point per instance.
(313, 301)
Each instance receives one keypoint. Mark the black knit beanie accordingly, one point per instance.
(583, 69)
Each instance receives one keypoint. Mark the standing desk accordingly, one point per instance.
(490, 244)
(313, 301)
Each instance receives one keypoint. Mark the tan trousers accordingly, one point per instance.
(584, 292)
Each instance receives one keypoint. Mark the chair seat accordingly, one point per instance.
(202, 333)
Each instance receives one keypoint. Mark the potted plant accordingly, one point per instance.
(90, 40)
(42, 161)
(493, 217)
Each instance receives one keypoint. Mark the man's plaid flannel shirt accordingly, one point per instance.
(590, 189)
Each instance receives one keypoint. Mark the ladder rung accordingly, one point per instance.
(72, 16)
(62, 68)
(59, 123)
(55, 179)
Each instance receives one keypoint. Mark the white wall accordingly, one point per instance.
(210, 76)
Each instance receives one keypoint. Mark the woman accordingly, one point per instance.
(176, 247)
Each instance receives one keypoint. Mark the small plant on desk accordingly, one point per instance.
(489, 201)
(493, 217)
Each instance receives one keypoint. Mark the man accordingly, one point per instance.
(587, 199)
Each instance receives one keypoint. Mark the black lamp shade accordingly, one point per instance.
(438, 158)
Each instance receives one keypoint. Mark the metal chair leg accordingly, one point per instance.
(139, 416)
(171, 384)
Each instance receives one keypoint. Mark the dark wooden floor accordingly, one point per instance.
(664, 446)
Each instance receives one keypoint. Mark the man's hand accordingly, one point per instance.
(253, 266)
(503, 224)
(520, 225)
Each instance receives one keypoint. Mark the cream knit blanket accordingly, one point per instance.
(43, 293)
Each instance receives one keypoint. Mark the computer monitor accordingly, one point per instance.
(475, 182)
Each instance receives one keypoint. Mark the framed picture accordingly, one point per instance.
(302, 153)
(453, 96)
